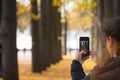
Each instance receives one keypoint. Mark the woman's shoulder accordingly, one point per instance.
(110, 69)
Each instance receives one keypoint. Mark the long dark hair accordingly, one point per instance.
(112, 28)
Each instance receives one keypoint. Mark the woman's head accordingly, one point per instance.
(112, 32)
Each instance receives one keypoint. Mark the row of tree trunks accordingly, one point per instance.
(49, 34)
(50, 31)
(45, 52)
(9, 51)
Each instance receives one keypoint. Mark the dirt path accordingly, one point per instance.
(58, 71)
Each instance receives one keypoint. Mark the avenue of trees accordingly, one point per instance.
(46, 37)
(46, 33)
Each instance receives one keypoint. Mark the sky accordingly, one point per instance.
(25, 2)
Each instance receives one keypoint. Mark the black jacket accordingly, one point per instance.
(77, 71)
(109, 71)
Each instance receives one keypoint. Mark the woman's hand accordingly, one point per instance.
(79, 58)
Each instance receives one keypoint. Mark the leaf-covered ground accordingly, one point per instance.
(58, 71)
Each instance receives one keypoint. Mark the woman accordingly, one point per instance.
(110, 70)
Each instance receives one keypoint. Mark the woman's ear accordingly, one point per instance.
(110, 41)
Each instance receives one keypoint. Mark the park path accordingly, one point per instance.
(58, 71)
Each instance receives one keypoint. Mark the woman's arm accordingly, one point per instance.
(77, 72)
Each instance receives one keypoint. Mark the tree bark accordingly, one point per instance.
(0, 11)
(53, 34)
(64, 32)
(45, 33)
(9, 51)
(36, 57)
(64, 35)
(116, 8)
(108, 9)
(96, 32)
(0, 39)
(50, 31)
(104, 12)
(56, 34)
(59, 28)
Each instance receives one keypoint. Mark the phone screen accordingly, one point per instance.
(84, 45)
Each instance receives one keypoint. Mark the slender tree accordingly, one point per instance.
(36, 61)
(58, 31)
(9, 51)
(64, 30)
(56, 34)
(64, 34)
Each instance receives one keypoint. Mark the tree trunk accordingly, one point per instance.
(108, 9)
(53, 34)
(116, 8)
(64, 32)
(59, 28)
(9, 57)
(104, 12)
(56, 34)
(45, 33)
(36, 58)
(96, 30)
(0, 39)
(64, 35)
(0, 11)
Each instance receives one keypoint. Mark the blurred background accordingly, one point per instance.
(39, 38)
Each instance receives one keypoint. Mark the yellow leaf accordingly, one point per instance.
(56, 2)
(63, 20)
(35, 17)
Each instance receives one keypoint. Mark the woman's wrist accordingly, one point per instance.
(80, 61)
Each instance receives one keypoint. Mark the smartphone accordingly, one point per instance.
(84, 45)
